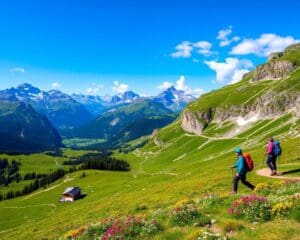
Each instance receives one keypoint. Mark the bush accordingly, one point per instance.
(281, 209)
(117, 228)
(253, 208)
(187, 214)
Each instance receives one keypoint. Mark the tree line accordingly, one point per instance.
(100, 162)
(43, 182)
(87, 161)
(9, 171)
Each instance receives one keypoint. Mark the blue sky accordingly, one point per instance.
(103, 47)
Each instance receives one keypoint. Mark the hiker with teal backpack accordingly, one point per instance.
(273, 151)
(244, 164)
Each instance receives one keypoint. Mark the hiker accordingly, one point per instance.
(242, 170)
(271, 157)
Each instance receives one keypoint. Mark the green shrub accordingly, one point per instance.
(186, 213)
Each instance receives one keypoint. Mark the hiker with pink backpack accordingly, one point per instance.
(244, 164)
(273, 151)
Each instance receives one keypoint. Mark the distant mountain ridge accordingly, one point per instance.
(79, 108)
(171, 98)
(96, 104)
(116, 119)
(23, 130)
(174, 99)
(60, 108)
(127, 122)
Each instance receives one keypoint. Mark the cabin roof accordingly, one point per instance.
(73, 191)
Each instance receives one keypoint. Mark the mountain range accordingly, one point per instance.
(127, 122)
(171, 98)
(22, 129)
(120, 118)
(60, 108)
(115, 118)
(183, 169)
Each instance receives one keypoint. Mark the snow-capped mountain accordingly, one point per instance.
(126, 97)
(129, 97)
(66, 111)
(60, 108)
(174, 99)
(94, 104)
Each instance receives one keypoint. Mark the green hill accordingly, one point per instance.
(179, 182)
(23, 130)
(126, 123)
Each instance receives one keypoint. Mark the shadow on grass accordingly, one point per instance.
(82, 196)
(291, 171)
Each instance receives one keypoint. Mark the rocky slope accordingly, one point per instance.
(253, 97)
(273, 70)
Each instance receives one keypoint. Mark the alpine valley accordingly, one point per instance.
(152, 167)
(116, 119)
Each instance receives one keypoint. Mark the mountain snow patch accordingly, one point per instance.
(244, 121)
(115, 122)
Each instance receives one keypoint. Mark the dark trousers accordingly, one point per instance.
(241, 177)
(271, 162)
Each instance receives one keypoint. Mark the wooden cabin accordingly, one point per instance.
(71, 194)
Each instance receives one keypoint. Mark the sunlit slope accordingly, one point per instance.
(177, 164)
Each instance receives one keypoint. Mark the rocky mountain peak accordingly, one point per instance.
(174, 99)
(273, 70)
(129, 96)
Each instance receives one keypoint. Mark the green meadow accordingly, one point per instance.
(183, 166)
(175, 167)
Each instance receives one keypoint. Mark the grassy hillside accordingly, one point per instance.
(184, 166)
(177, 170)
(19, 125)
(125, 123)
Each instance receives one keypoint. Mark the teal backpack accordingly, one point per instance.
(277, 149)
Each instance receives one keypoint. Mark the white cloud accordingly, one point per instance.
(196, 92)
(180, 85)
(165, 85)
(230, 71)
(56, 85)
(237, 75)
(17, 69)
(224, 33)
(120, 88)
(203, 47)
(94, 89)
(223, 36)
(264, 45)
(183, 50)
